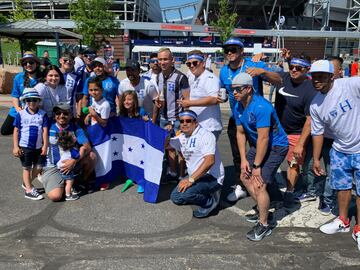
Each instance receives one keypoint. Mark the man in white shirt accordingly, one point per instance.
(144, 88)
(154, 71)
(204, 90)
(206, 172)
(336, 109)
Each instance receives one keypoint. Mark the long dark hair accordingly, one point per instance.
(134, 111)
(53, 67)
(38, 75)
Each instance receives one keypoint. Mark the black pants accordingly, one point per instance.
(234, 146)
(7, 128)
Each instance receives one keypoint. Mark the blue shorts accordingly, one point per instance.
(343, 169)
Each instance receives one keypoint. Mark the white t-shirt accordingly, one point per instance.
(102, 108)
(78, 63)
(145, 90)
(208, 62)
(194, 148)
(153, 78)
(339, 113)
(207, 84)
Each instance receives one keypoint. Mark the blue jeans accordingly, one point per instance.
(319, 185)
(197, 194)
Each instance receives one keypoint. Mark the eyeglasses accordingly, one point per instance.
(182, 121)
(194, 64)
(231, 49)
(154, 61)
(32, 100)
(58, 113)
(297, 68)
(239, 89)
(28, 62)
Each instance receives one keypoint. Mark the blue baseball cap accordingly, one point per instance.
(233, 41)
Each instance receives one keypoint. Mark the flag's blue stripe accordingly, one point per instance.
(151, 192)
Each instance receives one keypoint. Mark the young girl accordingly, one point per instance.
(28, 78)
(31, 140)
(129, 108)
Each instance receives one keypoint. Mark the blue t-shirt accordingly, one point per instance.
(18, 88)
(31, 128)
(227, 75)
(54, 151)
(260, 114)
(110, 90)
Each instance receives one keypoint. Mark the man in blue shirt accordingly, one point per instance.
(256, 120)
(234, 53)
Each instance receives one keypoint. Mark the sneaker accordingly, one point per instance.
(324, 208)
(75, 191)
(204, 212)
(306, 197)
(237, 194)
(258, 232)
(104, 186)
(33, 195)
(140, 189)
(71, 197)
(254, 218)
(356, 237)
(337, 225)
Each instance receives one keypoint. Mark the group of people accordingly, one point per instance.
(315, 115)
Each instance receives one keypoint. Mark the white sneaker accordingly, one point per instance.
(335, 226)
(237, 194)
(356, 237)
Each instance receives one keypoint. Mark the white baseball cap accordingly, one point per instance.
(242, 79)
(322, 66)
(100, 60)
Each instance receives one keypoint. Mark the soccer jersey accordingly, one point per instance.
(110, 87)
(195, 147)
(227, 75)
(68, 154)
(18, 88)
(78, 63)
(53, 155)
(339, 112)
(173, 88)
(207, 84)
(260, 114)
(292, 103)
(145, 90)
(72, 85)
(150, 75)
(31, 128)
(102, 108)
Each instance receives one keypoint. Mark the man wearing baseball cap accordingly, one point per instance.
(336, 110)
(256, 120)
(234, 53)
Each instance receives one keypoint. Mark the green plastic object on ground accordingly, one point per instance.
(85, 110)
(128, 184)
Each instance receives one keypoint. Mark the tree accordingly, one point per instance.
(20, 12)
(3, 19)
(93, 17)
(226, 20)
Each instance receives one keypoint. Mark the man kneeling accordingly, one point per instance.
(206, 172)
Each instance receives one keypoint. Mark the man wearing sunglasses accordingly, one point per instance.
(237, 63)
(51, 177)
(256, 120)
(204, 90)
(292, 102)
(206, 172)
(86, 70)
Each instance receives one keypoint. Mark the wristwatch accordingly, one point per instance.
(191, 180)
(256, 166)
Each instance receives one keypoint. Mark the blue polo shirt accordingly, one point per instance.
(260, 114)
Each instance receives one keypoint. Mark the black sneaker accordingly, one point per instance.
(258, 232)
(34, 195)
(71, 197)
(75, 190)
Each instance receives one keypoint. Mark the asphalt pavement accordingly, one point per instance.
(114, 230)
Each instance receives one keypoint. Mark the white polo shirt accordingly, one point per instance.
(145, 90)
(195, 147)
(339, 113)
(102, 108)
(207, 84)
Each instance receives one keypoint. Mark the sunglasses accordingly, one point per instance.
(89, 56)
(68, 61)
(154, 61)
(231, 49)
(239, 89)
(28, 62)
(182, 121)
(58, 113)
(297, 68)
(194, 64)
(32, 100)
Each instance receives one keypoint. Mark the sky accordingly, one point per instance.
(174, 14)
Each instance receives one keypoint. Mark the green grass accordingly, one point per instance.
(10, 47)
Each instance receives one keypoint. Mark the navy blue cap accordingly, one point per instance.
(233, 41)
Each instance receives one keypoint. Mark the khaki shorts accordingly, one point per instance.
(51, 179)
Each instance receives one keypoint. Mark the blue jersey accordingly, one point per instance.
(54, 151)
(31, 128)
(227, 75)
(72, 85)
(260, 114)
(110, 90)
(18, 88)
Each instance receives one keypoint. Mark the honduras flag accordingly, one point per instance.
(129, 147)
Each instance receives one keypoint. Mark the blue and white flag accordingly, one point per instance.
(129, 147)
